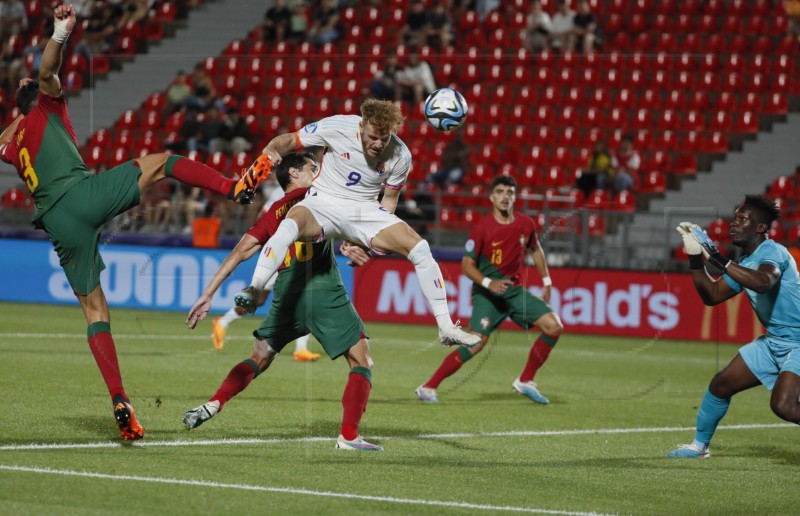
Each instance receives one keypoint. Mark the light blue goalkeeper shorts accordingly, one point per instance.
(768, 356)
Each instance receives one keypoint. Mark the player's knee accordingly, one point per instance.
(420, 253)
(785, 407)
(720, 387)
(551, 325)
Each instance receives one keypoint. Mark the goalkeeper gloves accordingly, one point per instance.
(690, 245)
(707, 246)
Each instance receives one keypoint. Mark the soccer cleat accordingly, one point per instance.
(247, 299)
(529, 390)
(426, 394)
(305, 355)
(358, 444)
(218, 333)
(688, 451)
(455, 336)
(199, 415)
(244, 189)
(129, 427)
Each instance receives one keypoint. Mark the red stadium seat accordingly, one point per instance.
(653, 182)
(624, 201)
(684, 164)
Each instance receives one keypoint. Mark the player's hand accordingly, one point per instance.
(199, 311)
(274, 157)
(546, 291)
(499, 286)
(690, 245)
(359, 255)
(65, 16)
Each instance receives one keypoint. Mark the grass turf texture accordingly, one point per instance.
(52, 392)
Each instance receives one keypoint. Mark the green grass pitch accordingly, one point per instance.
(617, 406)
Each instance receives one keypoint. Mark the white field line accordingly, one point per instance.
(288, 490)
(519, 433)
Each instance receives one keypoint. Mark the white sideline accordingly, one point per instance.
(515, 433)
(289, 490)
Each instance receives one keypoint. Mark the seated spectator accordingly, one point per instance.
(325, 24)
(13, 20)
(234, 136)
(628, 162)
(12, 67)
(210, 129)
(599, 171)
(188, 134)
(415, 81)
(415, 32)
(203, 90)
(177, 93)
(37, 50)
(99, 29)
(585, 28)
(484, 7)
(384, 84)
(298, 23)
(276, 22)
(455, 162)
(561, 32)
(538, 29)
(441, 33)
(130, 11)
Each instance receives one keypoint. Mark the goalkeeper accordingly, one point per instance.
(768, 275)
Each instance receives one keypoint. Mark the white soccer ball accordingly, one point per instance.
(446, 109)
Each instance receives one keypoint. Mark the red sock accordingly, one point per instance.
(354, 401)
(105, 354)
(450, 365)
(194, 173)
(537, 356)
(237, 380)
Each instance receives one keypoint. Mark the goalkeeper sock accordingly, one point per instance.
(274, 252)
(712, 410)
(431, 281)
(450, 365)
(105, 355)
(194, 173)
(354, 400)
(228, 318)
(237, 380)
(538, 355)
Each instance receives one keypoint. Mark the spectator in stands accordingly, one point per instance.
(37, 50)
(455, 163)
(203, 90)
(13, 20)
(441, 33)
(585, 31)
(12, 66)
(537, 32)
(234, 136)
(599, 171)
(627, 165)
(298, 22)
(325, 24)
(188, 134)
(276, 22)
(561, 33)
(177, 93)
(418, 24)
(130, 11)
(484, 7)
(99, 28)
(384, 84)
(415, 81)
(210, 129)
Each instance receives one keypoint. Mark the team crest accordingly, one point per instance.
(469, 246)
(485, 323)
(379, 168)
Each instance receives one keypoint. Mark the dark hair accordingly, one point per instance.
(27, 96)
(292, 160)
(502, 180)
(764, 208)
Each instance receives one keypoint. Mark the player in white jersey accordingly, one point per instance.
(272, 191)
(362, 155)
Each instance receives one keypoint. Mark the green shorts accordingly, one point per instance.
(489, 311)
(74, 222)
(327, 314)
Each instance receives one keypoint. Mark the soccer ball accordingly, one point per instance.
(446, 109)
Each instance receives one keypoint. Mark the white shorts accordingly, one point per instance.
(357, 221)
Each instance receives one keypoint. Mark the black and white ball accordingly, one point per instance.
(446, 109)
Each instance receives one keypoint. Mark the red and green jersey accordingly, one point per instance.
(45, 153)
(306, 264)
(499, 249)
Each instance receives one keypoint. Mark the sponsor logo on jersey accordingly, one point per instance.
(495, 244)
(310, 128)
(346, 155)
(485, 323)
(20, 136)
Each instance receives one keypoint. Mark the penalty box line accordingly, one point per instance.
(288, 490)
(520, 433)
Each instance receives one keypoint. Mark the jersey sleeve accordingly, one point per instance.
(318, 133)
(732, 283)
(57, 106)
(773, 256)
(533, 239)
(473, 246)
(264, 227)
(399, 174)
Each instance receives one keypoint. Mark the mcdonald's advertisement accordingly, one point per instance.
(588, 301)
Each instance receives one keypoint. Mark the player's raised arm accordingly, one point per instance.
(280, 146)
(64, 22)
(712, 292)
(9, 131)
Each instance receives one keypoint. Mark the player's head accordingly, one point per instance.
(753, 219)
(27, 95)
(503, 193)
(296, 169)
(379, 119)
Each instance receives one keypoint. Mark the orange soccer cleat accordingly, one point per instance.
(244, 189)
(305, 355)
(218, 333)
(129, 427)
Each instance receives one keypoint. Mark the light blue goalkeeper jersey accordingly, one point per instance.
(778, 309)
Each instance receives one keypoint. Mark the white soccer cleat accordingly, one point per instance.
(689, 451)
(199, 415)
(455, 336)
(530, 391)
(426, 394)
(357, 444)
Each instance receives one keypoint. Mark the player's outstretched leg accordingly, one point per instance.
(237, 380)
(450, 365)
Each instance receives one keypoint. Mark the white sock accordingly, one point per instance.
(228, 318)
(432, 283)
(302, 343)
(274, 252)
(700, 446)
